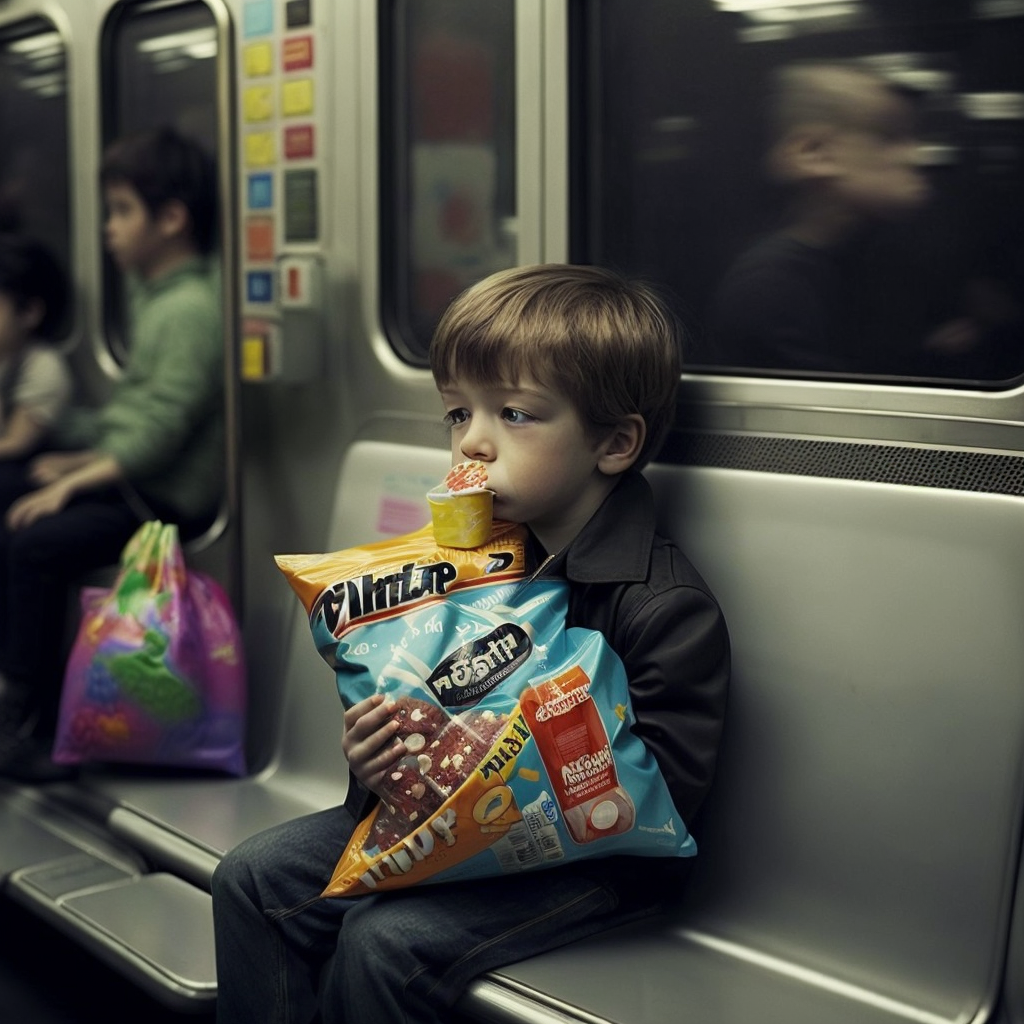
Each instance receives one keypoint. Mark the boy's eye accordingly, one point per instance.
(454, 417)
(515, 415)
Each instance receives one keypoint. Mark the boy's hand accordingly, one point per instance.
(44, 502)
(45, 469)
(370, 743)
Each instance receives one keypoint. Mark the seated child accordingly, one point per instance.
(562, 381)
(34, 380)
(154, 450)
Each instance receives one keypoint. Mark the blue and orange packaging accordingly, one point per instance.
(520, 753)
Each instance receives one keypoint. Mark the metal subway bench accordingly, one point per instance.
(859, 851)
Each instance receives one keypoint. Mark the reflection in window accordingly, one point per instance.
(34, 129)
(165, 71)
(160, 70)
(827, 188)
(448, 158)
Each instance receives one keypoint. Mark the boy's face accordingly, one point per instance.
(542, 464)
(131, 234)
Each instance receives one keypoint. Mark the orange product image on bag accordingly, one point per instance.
(574, 747)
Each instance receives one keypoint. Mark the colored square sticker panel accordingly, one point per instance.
(299, 142)
(258, 59)
(261, 191)
(259, 149)
(300, 206)
(255, 362)
(259, 238)
(259, 286)
(297, 97)
(298, 13)
(297, 53)
(257, 17)
(258, 102)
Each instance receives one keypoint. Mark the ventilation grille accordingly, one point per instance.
(878, 463)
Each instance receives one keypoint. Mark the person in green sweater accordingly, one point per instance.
(153, 450)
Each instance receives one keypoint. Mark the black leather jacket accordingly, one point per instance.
(653, 608)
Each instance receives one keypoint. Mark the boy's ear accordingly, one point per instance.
(173, 219)
(622, 445)
(804, 154)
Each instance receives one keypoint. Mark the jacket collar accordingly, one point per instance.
(615, 545)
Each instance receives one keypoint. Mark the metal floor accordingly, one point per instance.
(46, 979)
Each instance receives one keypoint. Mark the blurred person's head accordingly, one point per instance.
(33, 292)
(846, 137)
(160, 193)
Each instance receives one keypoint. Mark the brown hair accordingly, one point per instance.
(163, 165)
(841, 94)
(608, 344)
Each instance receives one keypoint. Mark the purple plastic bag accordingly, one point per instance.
(156, 675)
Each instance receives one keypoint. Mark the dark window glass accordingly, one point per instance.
(827, 189)
(160, 69)
(164, 71)
(447, 157)
(34, 129)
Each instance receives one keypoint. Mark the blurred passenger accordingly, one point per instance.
(843, 146)
(153, 450)
(35, 384)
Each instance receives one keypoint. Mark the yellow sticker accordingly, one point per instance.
(258, 59)
(297, 96)
(258, 103)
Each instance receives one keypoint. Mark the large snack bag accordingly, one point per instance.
(517, 729)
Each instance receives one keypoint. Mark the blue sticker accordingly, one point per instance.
(259, 286)
(258, 18)
(261, 191)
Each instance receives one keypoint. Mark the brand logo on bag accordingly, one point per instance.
(366, 595)
(477, 667)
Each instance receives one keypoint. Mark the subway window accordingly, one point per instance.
(34, 128)
(160, 70)
(826, 189)
(447, 157)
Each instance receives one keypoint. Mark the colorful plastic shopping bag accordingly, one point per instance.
(520, 753)
(156, 675)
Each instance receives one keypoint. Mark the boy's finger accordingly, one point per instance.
(368, 714)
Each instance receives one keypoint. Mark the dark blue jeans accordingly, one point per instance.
(402, 957)
(36, 565)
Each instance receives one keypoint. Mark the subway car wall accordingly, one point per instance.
(829, 194)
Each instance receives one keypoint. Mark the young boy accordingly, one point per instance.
(154, 450)
(561, 379)
(34, 380)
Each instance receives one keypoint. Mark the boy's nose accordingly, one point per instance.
(476, 444)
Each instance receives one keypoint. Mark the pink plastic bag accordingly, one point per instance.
(156, 675)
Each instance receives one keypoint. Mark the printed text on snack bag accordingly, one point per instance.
(364, 595)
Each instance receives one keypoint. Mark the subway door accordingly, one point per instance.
(171, 64)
